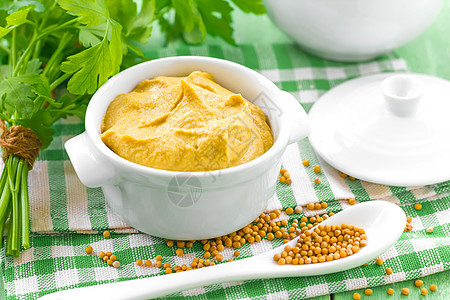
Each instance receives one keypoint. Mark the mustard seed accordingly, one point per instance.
(237, 253)
(158, 257)
(158, 264)
(179, 252)
(289, 210)
(113, 257)
(116, 264)
(109, 253)
(423, 291)
(418, 206)
(169, 270)
(351, 201)
(106, 234)
(317, 169)
(356, 296)
(368, 292)
(418, 283)
(298, 209)
(110, 262)
(89, 249)
(433, 287)
(282, 179)
(405, 291)
(430, 229)
(148, 263)
(389, 271)
(101, 254)
(317, 181)
(170, 243)
(379, 261)
(310, 206)
(305, 162)
(390, 291)
(139, 262)
(282, 171)
(408, 219)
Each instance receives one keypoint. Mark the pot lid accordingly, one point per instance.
(391, 128)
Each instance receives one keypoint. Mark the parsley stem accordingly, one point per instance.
(13, 52)
(14, 181)
(5, 192)
(58, 81)
(54, 28)
(25, 207)
(3, 223)
(5, 207)
(24, 55)
(56, 55)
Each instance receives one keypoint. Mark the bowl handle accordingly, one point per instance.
(92, 170)
(300, 120)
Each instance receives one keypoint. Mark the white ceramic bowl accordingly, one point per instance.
(352, 30)
(188, 205)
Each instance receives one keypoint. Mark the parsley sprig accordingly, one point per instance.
(54, 54)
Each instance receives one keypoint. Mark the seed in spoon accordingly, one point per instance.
(433, 287)
(329, 241)
(390, 291)
(423, 291)
(405, 291)
(418, 283)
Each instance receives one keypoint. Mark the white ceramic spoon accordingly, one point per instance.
(383, 222)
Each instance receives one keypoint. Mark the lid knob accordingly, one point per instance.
(402, 94)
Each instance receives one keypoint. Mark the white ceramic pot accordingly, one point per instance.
(188, 205)
(352, 30)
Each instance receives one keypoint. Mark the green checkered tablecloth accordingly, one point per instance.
(66, 216)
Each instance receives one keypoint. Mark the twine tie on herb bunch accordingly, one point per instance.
(21, 141)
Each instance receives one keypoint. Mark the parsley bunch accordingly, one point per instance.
(75, 46)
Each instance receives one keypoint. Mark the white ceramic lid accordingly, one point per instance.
(390, 128)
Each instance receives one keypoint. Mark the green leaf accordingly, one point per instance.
(190, 16)
(93, 66)
(16, 98)
(19, 17)
(40, 122)
(89, 12)
(34, 66)
(217, 19)
(140, 27)
(34, 4)
(251, 6)
(4, 31)
(91, 36)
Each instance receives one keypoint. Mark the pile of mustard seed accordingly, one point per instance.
(324, 243)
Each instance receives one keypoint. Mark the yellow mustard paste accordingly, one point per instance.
(185, 124)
